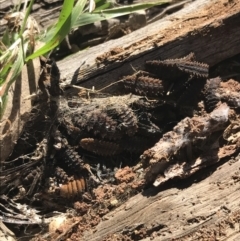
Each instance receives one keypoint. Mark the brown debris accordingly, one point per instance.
(186, 169)
(104, 192)
(81, 207)
(232, 85)
(229, 92)
(227, 151)
(185, 133)
(232, 132)
(125, 174)
(113, 53)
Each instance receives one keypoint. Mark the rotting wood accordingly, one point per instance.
(183, 213)
(206, 124)
(210, 29)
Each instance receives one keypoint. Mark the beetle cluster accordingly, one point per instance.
(114, 131)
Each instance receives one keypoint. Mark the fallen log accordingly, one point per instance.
(171, 213)
(210, 29)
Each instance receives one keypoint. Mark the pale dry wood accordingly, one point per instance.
(210, 29)
(189, 213)
(18, 108)
(185, 133)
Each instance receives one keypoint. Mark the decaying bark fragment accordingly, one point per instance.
(186, 169)
(232, 133)
(186, 133)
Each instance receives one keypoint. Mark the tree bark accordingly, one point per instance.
(203, 210)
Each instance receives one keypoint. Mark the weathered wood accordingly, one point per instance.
(18, 108)
(198, 211)
(210, 29)
(207, 209)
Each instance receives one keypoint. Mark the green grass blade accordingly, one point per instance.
(77, 10)
(6, 38)
(64, 14)
(5, 69)
(103, 4)
(17, 65)
(132, 8)
(54, 42)
(88, 18)
(57, 33)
